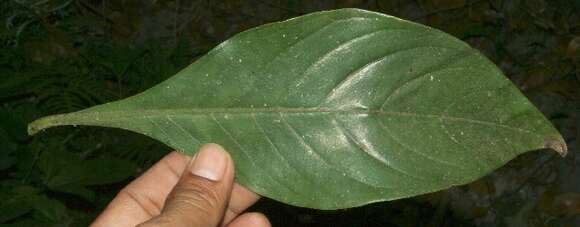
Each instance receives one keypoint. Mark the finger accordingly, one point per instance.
(143, 198)
(250, 220)
(202, 193)
(240, 200)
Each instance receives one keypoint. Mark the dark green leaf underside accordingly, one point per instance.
(339, 109)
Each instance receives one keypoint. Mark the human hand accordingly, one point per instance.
(179, 191)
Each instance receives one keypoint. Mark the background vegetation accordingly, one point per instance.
(64, 55)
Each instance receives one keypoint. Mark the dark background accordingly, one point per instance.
(65, 55)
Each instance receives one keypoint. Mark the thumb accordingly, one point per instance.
(202, 194)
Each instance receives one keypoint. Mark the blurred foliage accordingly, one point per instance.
(65, 55)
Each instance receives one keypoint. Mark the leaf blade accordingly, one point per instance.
(338, 109)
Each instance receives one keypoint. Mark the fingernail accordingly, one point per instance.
(210, 162)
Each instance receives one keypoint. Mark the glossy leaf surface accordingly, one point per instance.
(339, 109)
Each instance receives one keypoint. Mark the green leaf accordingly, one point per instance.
(15, 201)
(50, 209)
(13, 125)
(65, 172)
(71, 176)
(91, 172)
(338, 109)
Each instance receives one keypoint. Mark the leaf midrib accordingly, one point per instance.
(108, 116)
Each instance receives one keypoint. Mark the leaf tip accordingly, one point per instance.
(556, 144)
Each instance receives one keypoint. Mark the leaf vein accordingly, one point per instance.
(87, 118)
(183, 130)
(241, 148)
(347, 43)
(277, 151)
(361, 70)
(313, 151)
(366, 151)
(397, 140)
(294, 44)
(168, 138)
(411, 81)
